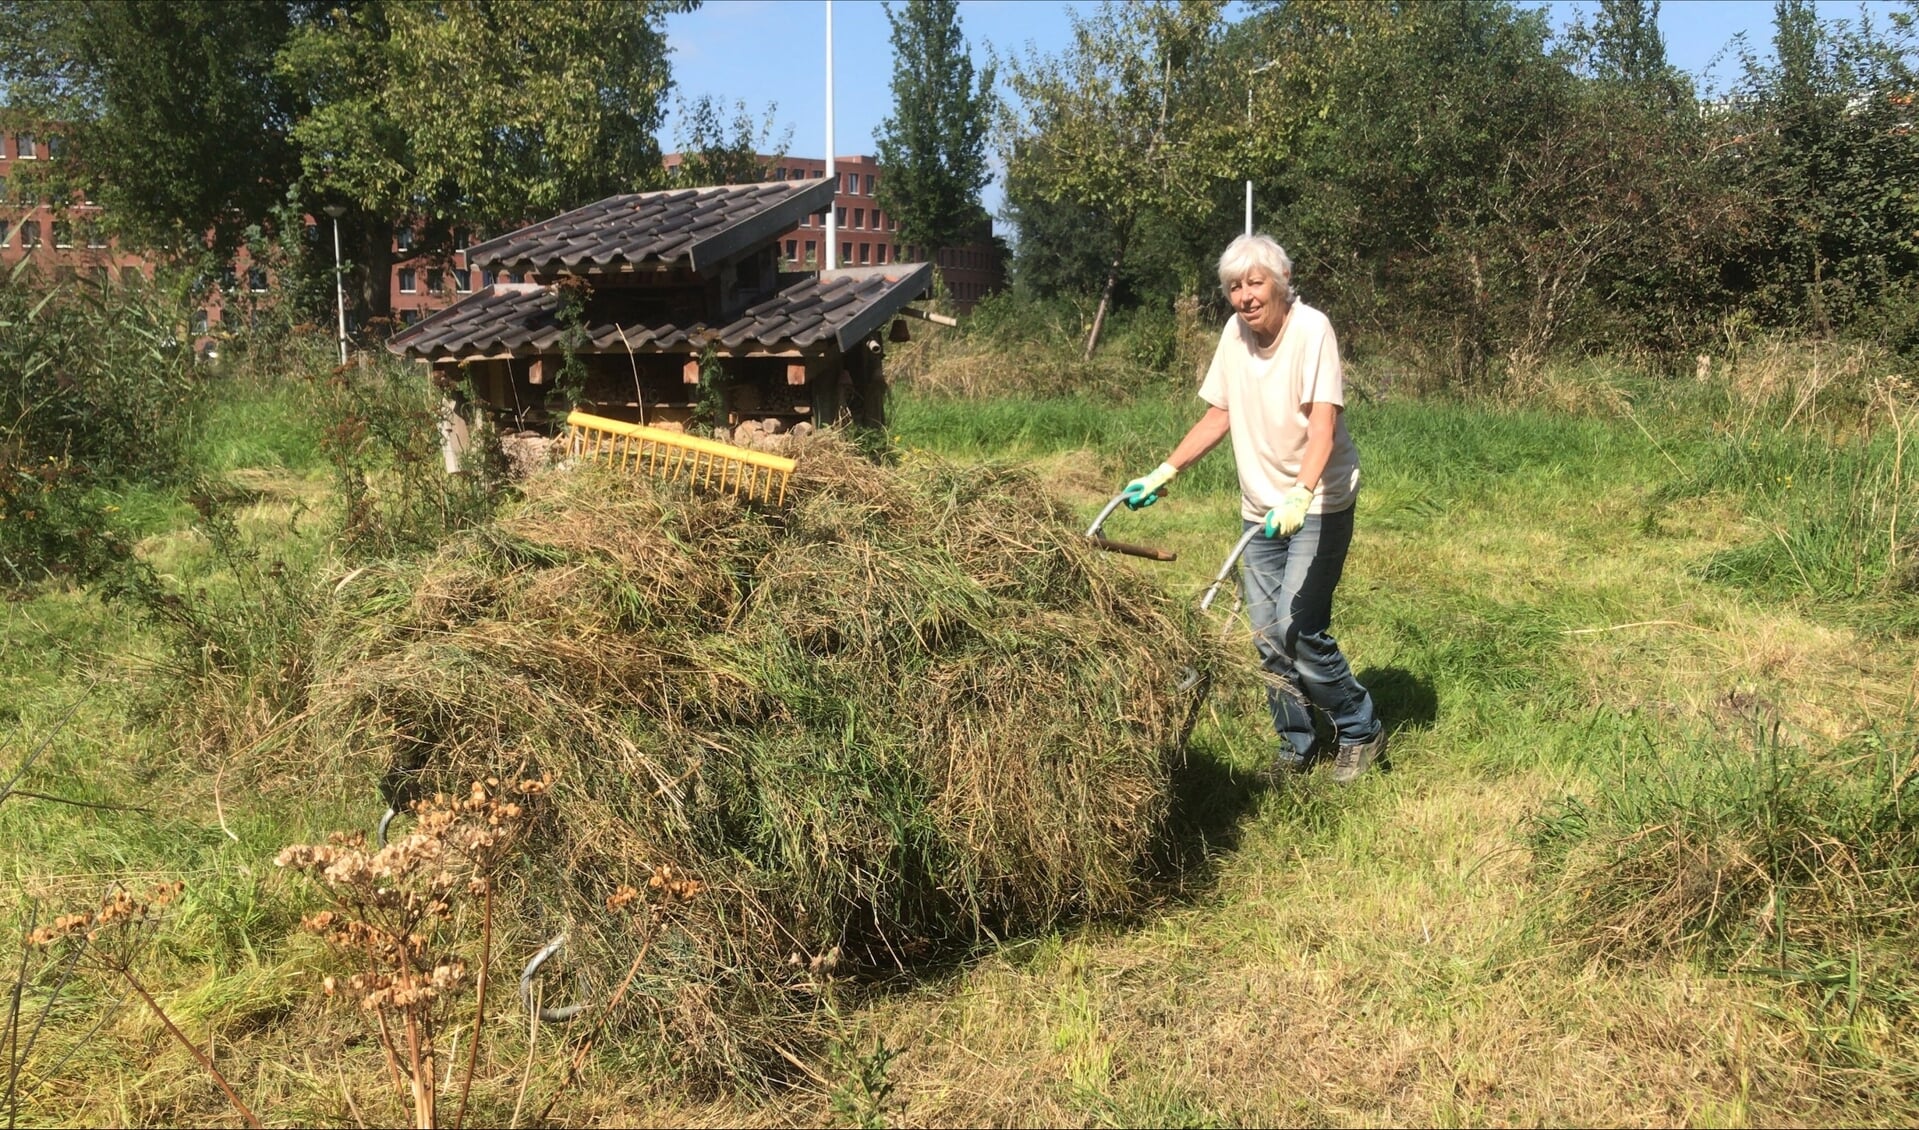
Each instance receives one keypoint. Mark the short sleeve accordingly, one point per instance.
(1325, 377)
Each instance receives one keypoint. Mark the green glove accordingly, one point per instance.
(1144, 491)
(1285, 519)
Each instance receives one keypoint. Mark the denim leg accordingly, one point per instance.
(1288, 585)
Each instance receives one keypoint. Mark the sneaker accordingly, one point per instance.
(1286, 765)
(1355, 757)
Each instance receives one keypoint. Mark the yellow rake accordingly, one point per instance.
(704, 463)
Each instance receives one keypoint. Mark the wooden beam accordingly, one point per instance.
(925, 315)
(690, 372)
(796, 373)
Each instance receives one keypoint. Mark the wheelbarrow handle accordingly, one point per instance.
(1092, 531)
(1225, 570)
(1103, 542)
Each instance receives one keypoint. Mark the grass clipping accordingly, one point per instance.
(912, 711)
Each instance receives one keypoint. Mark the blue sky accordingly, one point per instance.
(773, 51)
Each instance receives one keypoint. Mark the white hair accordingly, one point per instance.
(1249, 253)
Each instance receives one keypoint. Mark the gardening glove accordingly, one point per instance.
(1144, 491)
(1285, 519)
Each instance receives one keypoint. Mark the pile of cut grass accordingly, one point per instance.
(912, 712)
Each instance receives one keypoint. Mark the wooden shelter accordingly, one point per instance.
(669, 304)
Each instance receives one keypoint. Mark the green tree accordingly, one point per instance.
(932, 149)
(207, 116)
(480, 111)
(716, 149)
(174, 120)
(1120, 123)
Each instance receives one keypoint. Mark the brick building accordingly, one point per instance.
(65, 242)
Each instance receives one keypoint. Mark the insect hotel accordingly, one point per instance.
(666, 310)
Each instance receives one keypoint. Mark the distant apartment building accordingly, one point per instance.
(67, 240)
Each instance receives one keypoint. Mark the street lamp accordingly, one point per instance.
(339, 288)
(1263, 67)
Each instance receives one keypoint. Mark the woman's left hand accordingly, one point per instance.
(1285, 519)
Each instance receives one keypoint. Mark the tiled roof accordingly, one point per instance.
(691, 227)
(522, 319)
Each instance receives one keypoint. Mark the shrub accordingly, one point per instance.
(97, 390)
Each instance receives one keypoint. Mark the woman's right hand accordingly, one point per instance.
(1145, 490)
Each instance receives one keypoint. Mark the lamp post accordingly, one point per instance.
(1266, 66)
(339, 288)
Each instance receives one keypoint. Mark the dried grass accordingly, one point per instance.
(914, 712)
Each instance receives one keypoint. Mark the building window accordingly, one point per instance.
(96, 238)
(812, 251)
(779, 173)
(408, 317)
(23, 147)
(859, 217)
(869, 184)
(131, 276)
(257, 279)
(3, 190)
(879, 253)
(839, 217)
(30, 233)
(462, 280)
(846, 254)
(6, 234)
(200, 321)
(892, 224)
(311, 232)
(56, 146)
(408, 285)
(62, 233)
(403, 238)
(792, 245)
(806, 221)
(866, 254)
(436, 281)
(229, 277)
(460, 239)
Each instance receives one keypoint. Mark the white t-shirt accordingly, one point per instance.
(1267, 394)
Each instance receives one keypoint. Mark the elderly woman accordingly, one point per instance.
(1276, 387)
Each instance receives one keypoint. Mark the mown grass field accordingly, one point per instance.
(1647, 653)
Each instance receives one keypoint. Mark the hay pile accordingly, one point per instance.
(913, 711)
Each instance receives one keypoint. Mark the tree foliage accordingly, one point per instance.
(932, 148)
(205, 115)
(1120, 123)
(174, 121)
(1468, 186)
(717, 149)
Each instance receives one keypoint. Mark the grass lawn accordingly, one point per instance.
(1593, 634)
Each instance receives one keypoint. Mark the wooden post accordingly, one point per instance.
(454, 433)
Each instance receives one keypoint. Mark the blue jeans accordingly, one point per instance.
(1287, 584)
